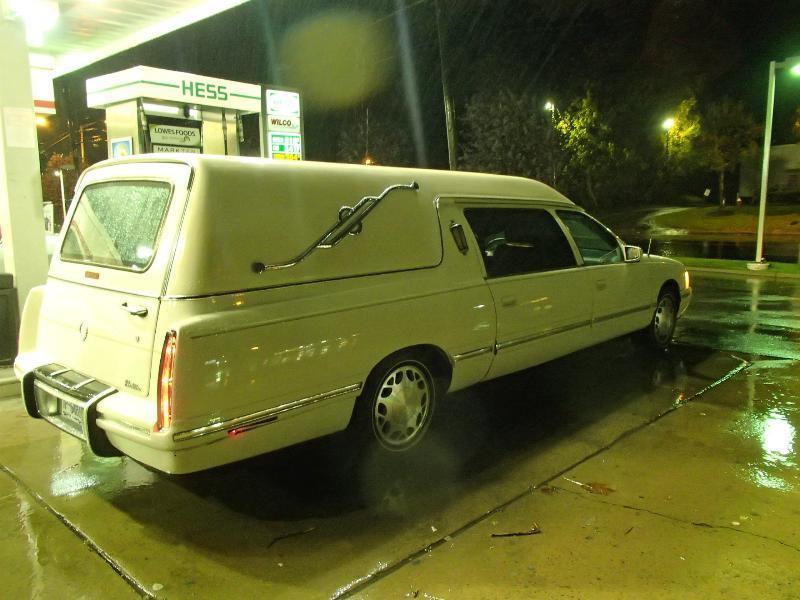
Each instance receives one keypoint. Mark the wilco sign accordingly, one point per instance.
(161, 84)
(276, 123)
(284, 124)
(175, 135)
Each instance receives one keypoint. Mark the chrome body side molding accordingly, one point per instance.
(262, 417)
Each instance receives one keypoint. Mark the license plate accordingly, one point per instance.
(62, 412)
(73, 413)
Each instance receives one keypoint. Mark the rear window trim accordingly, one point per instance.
(157, 240)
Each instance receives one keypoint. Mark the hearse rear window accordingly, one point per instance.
(117, 223)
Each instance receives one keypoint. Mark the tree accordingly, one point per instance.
(728, 135)
(510, 133)
(593, 155)
(680, 141)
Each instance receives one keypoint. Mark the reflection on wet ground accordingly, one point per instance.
(753, 315)
(769, 422)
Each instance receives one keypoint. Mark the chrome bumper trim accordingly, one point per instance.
(263, 417)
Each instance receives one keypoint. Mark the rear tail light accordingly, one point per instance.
(166, 375)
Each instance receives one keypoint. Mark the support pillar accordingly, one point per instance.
(21, 217)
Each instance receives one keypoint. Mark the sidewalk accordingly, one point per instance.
(695, 505)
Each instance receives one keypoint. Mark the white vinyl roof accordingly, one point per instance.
(77, 33)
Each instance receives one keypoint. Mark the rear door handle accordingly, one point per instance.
(601, 285)
(508, 301)
(133, 309)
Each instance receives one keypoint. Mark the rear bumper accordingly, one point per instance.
(113, 422)
(68, 400)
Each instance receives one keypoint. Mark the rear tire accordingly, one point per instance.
(397, 405)
(658, 334)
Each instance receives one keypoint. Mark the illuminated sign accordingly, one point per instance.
(164, 148)
(281, 102)
(121, 147)
(276, 123)
(283, 124)
(148, 82)
(175, 135)
(285, 146)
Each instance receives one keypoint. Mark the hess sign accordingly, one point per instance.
(198, 89)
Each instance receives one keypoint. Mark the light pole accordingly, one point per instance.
(60, 174)
(550, 105)
(449, 109)
(793, 64)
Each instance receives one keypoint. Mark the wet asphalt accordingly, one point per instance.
(610, 473)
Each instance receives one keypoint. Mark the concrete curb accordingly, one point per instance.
(765, 274)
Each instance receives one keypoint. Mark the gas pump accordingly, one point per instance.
(156, 110)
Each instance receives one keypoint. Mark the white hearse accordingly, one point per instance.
(201, 310)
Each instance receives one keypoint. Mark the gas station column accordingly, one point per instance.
(21, 218)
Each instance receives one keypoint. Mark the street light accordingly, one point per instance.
(668, 123)
(793, 64)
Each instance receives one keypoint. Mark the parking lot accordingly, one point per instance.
(609, 473)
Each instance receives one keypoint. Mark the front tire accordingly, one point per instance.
(658, 334)
(397, 405)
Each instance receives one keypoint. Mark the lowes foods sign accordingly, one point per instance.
(175, 135)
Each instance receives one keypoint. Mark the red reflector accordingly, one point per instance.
(166, 376)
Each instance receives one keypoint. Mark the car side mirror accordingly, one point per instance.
(633, 254)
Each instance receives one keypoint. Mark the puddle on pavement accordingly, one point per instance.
(769, 421)
(751, 315)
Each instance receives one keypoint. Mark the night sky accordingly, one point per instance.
(639, 58)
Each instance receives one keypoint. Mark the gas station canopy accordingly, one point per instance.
(77, 33)
(42, 39)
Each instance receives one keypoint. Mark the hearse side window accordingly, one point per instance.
(595, 243)
(116, 224)
(519, 240)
